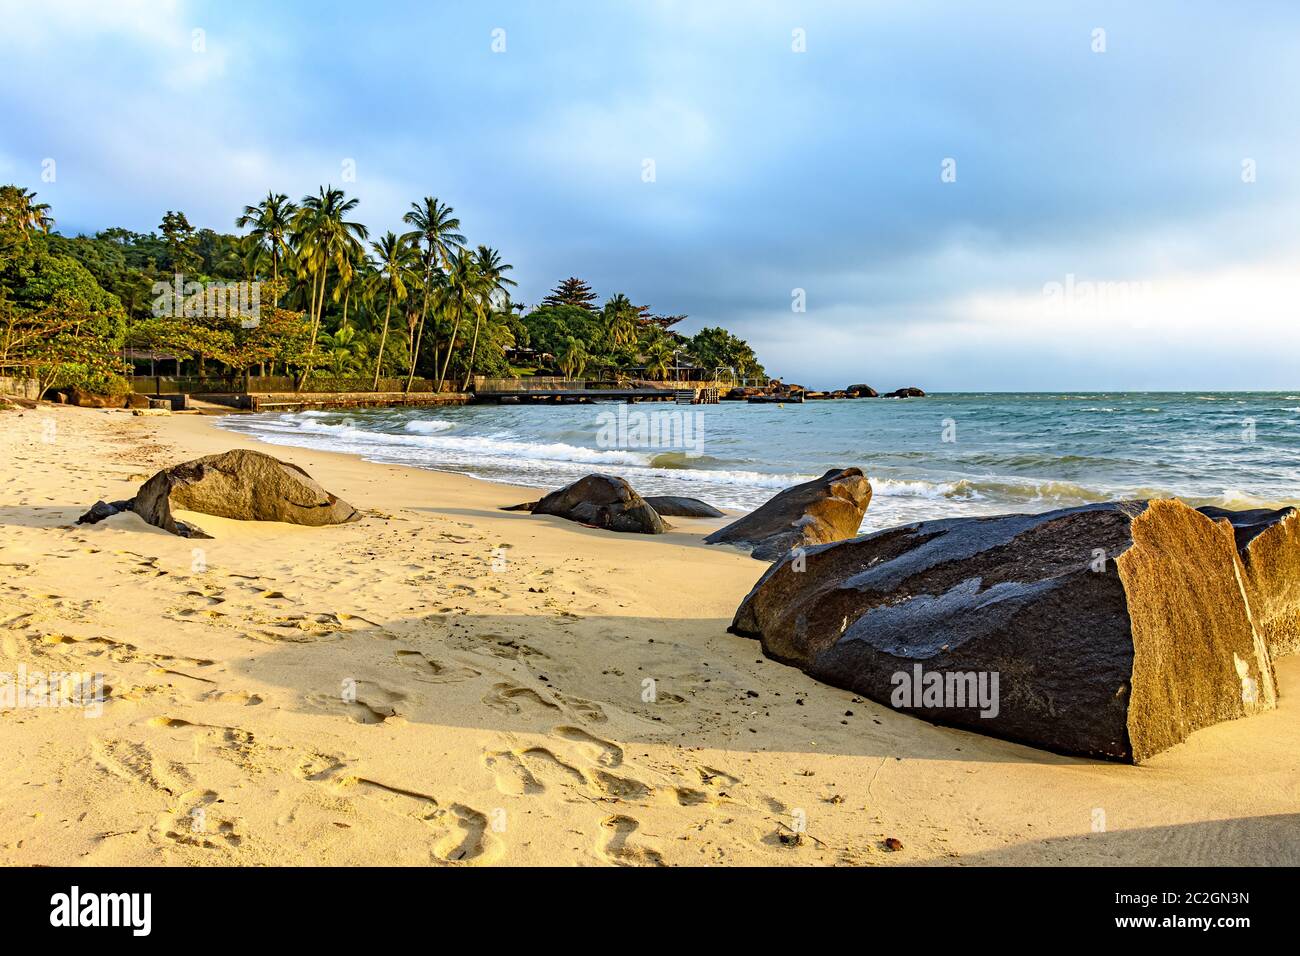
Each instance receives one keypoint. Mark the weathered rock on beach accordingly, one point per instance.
(1268, 543)
(677, 506)
(1114, 630)
(829, 508)
(603, 501)
(240, 484)
(666, 506)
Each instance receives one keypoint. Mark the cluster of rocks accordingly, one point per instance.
(84, 399)
(829, 508)
(1111, 630)
(609, 502)
(780, 391)
(240, 484)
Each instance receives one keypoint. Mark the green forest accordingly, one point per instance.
(320, 300)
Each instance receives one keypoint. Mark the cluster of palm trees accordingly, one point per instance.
(426, 273)
(19, 209)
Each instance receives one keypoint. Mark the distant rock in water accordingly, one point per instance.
(862, 391)
(675, 506)
(1110, 630)
(910, 392)
(603, 501)
(240, 484)
(829, 508)
(1269, 545)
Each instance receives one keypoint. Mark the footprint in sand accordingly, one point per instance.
(359, 711)
(509, 774)
(510, 698)
(615, 848)
(586, 709)
(463, 831)
(434, 671)
(604, 752)
(190, 823)
(232, 697)
(136, 763)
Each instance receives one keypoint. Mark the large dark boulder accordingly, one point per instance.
(241, 484)
(910, 392)
(603, 501)
(1268, 543)
(675, 506)
(829, 508)
(86, 399)
(862, 391)
(1111, 630)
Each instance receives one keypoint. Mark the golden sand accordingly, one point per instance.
(444, 682)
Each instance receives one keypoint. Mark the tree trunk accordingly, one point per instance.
(469, 368)
(451, 347)
(424, 310)
(383, 337)
(315, 325)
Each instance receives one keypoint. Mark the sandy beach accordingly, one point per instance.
(444, 682)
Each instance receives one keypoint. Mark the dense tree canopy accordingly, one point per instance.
(334, 305)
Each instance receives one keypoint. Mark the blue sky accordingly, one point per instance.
(1104, 230)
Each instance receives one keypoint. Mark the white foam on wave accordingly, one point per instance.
(427, 427)
(464, 449)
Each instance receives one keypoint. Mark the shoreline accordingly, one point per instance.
(499, 716)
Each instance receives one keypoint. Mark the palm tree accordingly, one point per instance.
(396, 256)
(324, 237)
(491, 288)
(271, 219)
(573, 359)
(342, 351)
(460, 295)
(619, 318)
(439, 231)
(657, 360)
(19, 206)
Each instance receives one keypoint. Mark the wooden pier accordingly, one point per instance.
(557, 396)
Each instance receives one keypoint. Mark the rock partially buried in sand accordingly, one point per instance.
(240, 484)
(104, 509)
(675, 506)
(1268, 543)
(1111, 630)
(603, 501)
(829, 508)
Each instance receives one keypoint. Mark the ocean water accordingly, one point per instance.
(940, 456)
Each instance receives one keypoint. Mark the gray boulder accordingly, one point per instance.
(240, 484)
(1111, 630)
(675, 506)
(603, 501)
(829, 508)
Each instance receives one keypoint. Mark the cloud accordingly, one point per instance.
(774, 169)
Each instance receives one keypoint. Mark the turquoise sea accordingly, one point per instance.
(940, 456)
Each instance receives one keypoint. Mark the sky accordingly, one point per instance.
(1028, 196)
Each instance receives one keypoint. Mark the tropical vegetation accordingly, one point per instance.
(330, 305)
